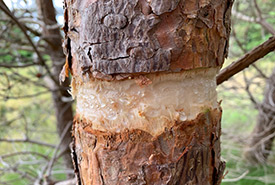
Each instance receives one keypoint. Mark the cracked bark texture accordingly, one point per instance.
(115, 40)
(187, 153)
(107, 38)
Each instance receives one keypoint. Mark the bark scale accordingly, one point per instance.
(144, 74)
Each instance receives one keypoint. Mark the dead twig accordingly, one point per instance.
(51, 162)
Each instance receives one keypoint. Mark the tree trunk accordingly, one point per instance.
(263, 135)
(63, 109)
(144, 74)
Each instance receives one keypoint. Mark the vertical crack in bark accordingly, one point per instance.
(181, 168)
(69, 54)
(218, 166)
(66, 18)
(154, 33)
(101, 176)
(213, 159)
(227, 24)
(75, 162)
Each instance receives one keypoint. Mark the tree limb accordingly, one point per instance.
(51, 162)
(237, 178)
(6, 10)
(17, 66)
(24, 153)
(262, 21)
(259, 20)
(248, 59)
(27, 141)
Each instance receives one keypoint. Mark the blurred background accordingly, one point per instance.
(36, 112)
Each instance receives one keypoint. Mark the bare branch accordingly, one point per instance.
(18, 66)
(262, 21)
(243, 17)
(247, 89)
(50, 164)
(260, 71)
(6, 10)
(237, 178)
(27, 141)
(67, 182)
(5, 97)
(248, 59)
(24, 153)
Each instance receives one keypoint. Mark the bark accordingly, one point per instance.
(262, 138)
(186, 153)
(63, 109)
(144, 74)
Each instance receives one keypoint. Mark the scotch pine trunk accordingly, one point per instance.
(144, 75)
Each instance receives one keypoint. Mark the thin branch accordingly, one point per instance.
(20, 46)
(27, 141)
(260, 71)
(247, 89)
(6, 10)
(24, 153)
(245, 51)
(262, 21)
(236, 179)
(243, 17)
(248, 59)
(67, 182)
(20, 78)
(18, 66)
(6, 97)
(50, 164)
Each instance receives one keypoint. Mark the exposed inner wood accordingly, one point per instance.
(150, 103)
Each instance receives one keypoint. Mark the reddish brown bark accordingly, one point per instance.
(186, 153)
(161, 36)
(124, 40)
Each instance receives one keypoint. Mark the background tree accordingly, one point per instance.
(263, 135)
(243, 93)
(262, 138)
